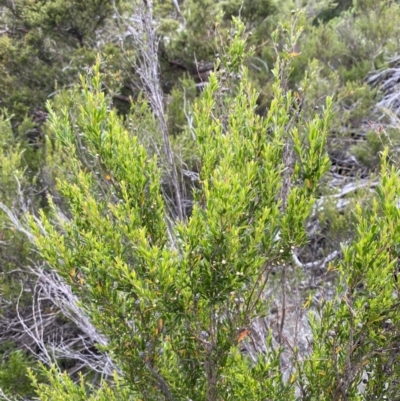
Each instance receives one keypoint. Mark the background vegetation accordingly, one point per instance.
(199, 200)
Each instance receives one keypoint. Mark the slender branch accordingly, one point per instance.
(5, 397)
(142, 30)
(318, 264)
(283, 315)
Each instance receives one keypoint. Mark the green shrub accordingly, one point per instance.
(165, 295)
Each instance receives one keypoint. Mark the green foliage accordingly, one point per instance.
(194, 38)
(334, 11)
(349, 42)
(165, 295)
(249, 11)
(204, 24)
(14, 367)
(256, 382)
(179, 105)
(357, 331)
(14, 253)
(13, 375)
(356, 100)
(376, 140)
(13, 246)
(45, 44)
(338, 55)
(369, 152)
(59, 385)
(10, 161)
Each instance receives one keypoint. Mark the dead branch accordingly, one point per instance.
(141, 29)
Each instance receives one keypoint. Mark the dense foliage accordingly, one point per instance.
(199, 200)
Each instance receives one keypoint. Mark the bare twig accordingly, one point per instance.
(318, 264)
(48, 341)
(142, 30)
(5, 397)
